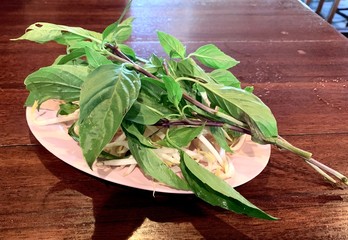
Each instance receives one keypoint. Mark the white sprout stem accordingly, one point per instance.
(225, 165)
(130, 169)
(119, 141)
(60, 119)
(231, 170)
(240, 143)
(228, 137)
(119, 162)
(228, 165)
(211, 149)
(191, 153)
(168, 158)
(168, 154)
(324, 174)
(340, 176)
(176, 169)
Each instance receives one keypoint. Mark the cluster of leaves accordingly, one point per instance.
(115, 89)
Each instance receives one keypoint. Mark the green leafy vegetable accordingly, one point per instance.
(180, 136)
(174, 90)
(219, 136)
(164, 112)
(133, 129)
(56, 82)
(76, 53)
(216, 191)
(124, 30)
(127, 50)
(67, 108)
(103, 106)
(143, 114)
(120, 30)
(95, 58)
(212, 56)
(246, 107)
(153, 166)
(171, 45)
(225, 77)
(189, 68)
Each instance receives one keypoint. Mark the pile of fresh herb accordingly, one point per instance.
(114, 91)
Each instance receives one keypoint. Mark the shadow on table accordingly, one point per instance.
(119, 211)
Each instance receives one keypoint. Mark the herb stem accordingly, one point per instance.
(111, 54)
(322, 166)
(199, 104)
(195, 122)
(165, 67)
(321, 172)
(282, 143)
(119, 56)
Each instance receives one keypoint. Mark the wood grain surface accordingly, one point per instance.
(298, 65)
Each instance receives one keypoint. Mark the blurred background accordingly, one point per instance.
(334, 11)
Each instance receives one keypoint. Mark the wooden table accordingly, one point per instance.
(298, 65)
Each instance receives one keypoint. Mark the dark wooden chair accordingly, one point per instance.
(332, 12)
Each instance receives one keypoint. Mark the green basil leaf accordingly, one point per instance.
(247, 108)
(171, 45)
(30, 100)
(150, 68)
(180, 136)
(108, 156)
(155, 65)
(143, 114)
(148, 109)
(106, 96)
(42, 32)
(150, 83)
(56, 82)
(212, 56)
(113, 28)
(172, 68)
(216, 191)
(127, 50)
(249, 89)
(189, 68)
(153, 166)
(81, 45)
(151, 98)
(68, 38)
(133, 129)
(109, 30)
(95, 58)
(104, 155)
(173, 89)
(76, 53)
(72, 133)
(67, 108)
(156, 61)
(225, 77)
(124, 30)
(220, 138)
